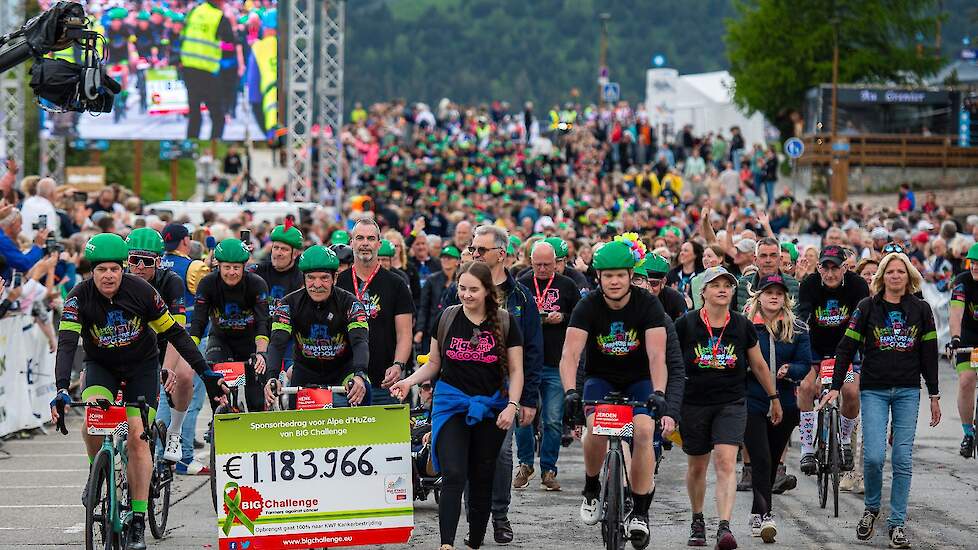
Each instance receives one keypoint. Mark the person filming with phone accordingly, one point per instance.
(11, 223)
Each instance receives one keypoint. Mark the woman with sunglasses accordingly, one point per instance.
(480, 370)
(785, 344)
(895, 333)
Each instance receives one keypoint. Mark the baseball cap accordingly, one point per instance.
(173, 233)
(768, 281)
(833, 254)
(746, 245)
(713, 273)
(849, 225)
(791, 249)
(879, 233)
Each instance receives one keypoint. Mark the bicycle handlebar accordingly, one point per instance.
(104, 404)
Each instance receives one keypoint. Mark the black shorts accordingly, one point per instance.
(704, 426)
(142, 380)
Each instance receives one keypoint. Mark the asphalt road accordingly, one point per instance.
(41, 482)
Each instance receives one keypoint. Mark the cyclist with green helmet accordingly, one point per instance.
(235, 304)
(622, 328)
(145, 250)
(328, 327)
(656, 268)
(280, 271)
(385, 255)
(118, 316)
(964, 333)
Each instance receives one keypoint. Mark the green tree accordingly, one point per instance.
(779, 49)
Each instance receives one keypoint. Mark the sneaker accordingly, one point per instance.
(549, 481)
(848, 481)
(784, 481)
(522, 478)
(808, 465)
(192, 468)
(898, 537)
(638, 529)
(589, 510)
(847, 460)
(173, 451)
(755, 525)
(745, 482)
(968, 446)
(136, 538)
(768, 529)
(866, 525)
(860, 488)
(725, 538)
(697, 532)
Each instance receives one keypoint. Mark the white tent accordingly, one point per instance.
(704, 100)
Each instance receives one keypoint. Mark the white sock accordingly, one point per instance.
(848, 425)
(806, 432)
(176, 420)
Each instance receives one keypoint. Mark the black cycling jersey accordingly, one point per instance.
(672, 302)
(616, 337)
(330, 336)
(280, 283)
(964, 293)
(828, 310)
(171, 289)
(237, 313)
(114, 330)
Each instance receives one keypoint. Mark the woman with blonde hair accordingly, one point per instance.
(895, 333)
(399, 261)
(786, 346)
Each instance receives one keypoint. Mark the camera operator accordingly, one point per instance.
(10, 227)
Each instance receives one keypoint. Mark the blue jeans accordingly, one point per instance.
(189, 428)
(551, 415)
(769, 191)
(877, 406)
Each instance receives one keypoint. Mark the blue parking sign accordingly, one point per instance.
(794, 147)
(611, 92)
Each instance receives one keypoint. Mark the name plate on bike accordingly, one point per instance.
(230, 371)
(974, 357)
(613, 420)
(314, 478)
(102, 422)
(827, 371)
(310, 399)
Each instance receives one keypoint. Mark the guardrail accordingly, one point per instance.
(892, 150)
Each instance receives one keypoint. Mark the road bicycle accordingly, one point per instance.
(974, 362)
(828, 441)
(613, 419)
(108, 510)
(235, 378)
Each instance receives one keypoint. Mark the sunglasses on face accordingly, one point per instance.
(142, 261)
(656, 282)
(481, 250)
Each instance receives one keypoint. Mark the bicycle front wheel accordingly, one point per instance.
(98, 505)
(159, 489)
(212, 460)
(613, 520)
(821, 455)
(835, 457)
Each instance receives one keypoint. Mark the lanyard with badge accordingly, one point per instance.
(356, 286)
(536, 287)
(715, 344)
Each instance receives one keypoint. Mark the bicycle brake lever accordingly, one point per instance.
(61, 418)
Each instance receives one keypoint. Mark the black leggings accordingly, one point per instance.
(467, 454)
(765, 442)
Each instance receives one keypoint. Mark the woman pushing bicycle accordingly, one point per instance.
(895, 332)
(118, 316)
(329, 328)
(479, 363)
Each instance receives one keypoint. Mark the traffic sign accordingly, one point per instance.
(794, 147)
(172, 150)
(611, 92)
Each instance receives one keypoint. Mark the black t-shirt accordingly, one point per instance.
(616, 338)
(561, 296)
(384, 298)
(720, 380)
(964, 292)
(470, 360)
(672, 302)
(280, 283)
(828, 310)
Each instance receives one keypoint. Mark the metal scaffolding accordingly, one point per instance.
(12, 100)
(330, 95)
(300, 57)
(53, 157)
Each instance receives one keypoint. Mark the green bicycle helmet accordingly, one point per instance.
(291, 236)
(318, 258)
(231, 251)
(340, 236)
(614, 255)
(386, 249)
(514, 244)
(560, 246)
(972, 252)
(656, 266)
(146, 239)
(106, 247)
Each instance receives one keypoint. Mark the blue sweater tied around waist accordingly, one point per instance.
(449, 401)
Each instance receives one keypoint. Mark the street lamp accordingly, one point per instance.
(603, 56)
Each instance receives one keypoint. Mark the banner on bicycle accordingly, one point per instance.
(314, 478)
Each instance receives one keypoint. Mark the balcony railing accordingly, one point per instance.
(900, 150)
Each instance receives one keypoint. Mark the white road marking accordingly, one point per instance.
(48, 471)
(41, 506)
(41, 486)
(76, 528)
(59, 455)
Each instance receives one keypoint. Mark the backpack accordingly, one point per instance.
(448, 317)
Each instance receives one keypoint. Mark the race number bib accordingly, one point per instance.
(314, 478)
(310, 399)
